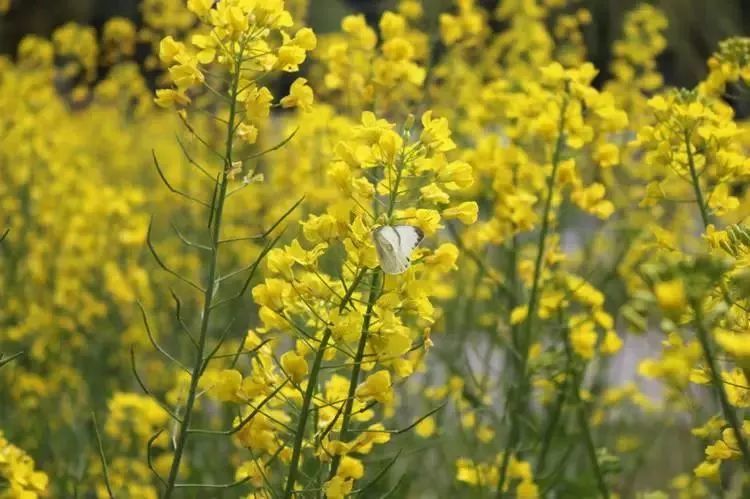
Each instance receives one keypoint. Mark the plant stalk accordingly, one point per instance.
(299, 435)
(184, 426)
(583, 420)
(356, 368)
(729, 413)
(695, 181)
(520, 392)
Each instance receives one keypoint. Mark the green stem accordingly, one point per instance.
(299, 435)
(729, 413)
(695, 181)
(184, 426)
(356, 368)
(520, 392)
(703, 337)
(583, 420)
(549, 431)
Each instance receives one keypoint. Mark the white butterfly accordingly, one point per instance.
(394, 244)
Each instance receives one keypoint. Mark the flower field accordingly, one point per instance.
(195, 302)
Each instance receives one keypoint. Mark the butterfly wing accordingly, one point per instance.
(394, 245)
(409, 238)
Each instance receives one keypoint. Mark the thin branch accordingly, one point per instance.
(200, 139)
(214, 194)
(212, 485)
(9, 359)
(100, 448)
(380, 474)
(268, 231)
(218, 345)
(273, 148)
(243, 352)
(404, 430)
(188, 242)
(178, 308)
(147, 391)
(150, 245)
(192, 161)
(153, 340)
(244, 420)
(173, 189)
(149, 460)
(254, 267)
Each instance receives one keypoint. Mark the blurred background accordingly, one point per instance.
(695, 26)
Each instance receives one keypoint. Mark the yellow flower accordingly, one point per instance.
(169, 97)
(289, 57)
(295, 366)
(436, 134)
(466, 212)
(200, 8)
(607, 155)
(736, 344)
(443, 259)
(708, 470)
(426, 427)
(456, 175)
(611, 344)
(337, 488)
(169, 49)
(720, 451)
(300, 95)
(377, 386)
(582, 336)
(527, 489)
(227, 385)
(305, 38)
(350, 468)
(670, 295)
